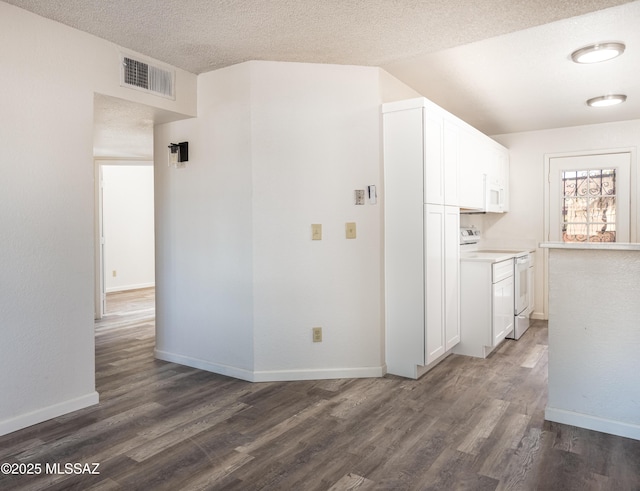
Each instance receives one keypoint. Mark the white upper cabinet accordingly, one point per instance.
(472, 173)
(483, 172)
(462, 166)
(424, 129)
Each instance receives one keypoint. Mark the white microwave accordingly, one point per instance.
(494, 195)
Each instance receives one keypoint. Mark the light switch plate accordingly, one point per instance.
(350, 230)
(316, 231)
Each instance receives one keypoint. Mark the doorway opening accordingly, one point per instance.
(125, 225)
(124, 196)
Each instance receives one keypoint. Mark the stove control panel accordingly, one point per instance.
(469, 235)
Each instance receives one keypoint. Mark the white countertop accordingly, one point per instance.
(492, 256)
(589, 246)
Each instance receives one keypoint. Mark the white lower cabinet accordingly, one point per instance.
(442, 271)
(487, 295)
(421, 329)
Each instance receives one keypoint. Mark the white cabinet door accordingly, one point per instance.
(451, 162)
(442, 271)
(503, 167)
(471, 178)
(434, 219)
(433, 162)
(452, 276)
(502, 309)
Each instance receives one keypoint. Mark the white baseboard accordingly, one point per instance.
(318, 374)
(594, 423)
(46, 413)
(220, 369)
(129, 287)
(272, 375)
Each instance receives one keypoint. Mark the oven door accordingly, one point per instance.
(521, 282)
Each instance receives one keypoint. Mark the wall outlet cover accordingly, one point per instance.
(317, 334)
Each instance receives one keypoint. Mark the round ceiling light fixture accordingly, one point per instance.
(598, 52)
(607, 100)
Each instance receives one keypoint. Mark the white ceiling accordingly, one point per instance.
(501, 65)
(526, 80)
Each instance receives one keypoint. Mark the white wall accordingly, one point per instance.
(49, 75)
(127, 213)
(524, 224)
(204, 221)
(316, 138)
(594, 340)
(276, 147)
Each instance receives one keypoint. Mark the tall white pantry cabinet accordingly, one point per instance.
(422, 219)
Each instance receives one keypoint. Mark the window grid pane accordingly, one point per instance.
(589, 206)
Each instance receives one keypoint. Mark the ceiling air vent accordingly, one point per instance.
(139, 75)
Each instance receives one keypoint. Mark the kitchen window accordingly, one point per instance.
(589, 205)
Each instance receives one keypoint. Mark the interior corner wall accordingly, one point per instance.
(49, 75)
(204, 251)
(240, 284)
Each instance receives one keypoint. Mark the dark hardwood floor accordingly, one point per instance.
(469, 424)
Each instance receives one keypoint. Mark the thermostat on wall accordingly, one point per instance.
(373, 195)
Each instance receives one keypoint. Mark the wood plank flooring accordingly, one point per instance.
(469, 424)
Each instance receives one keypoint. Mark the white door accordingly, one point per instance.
(589, 198)
(100, 295)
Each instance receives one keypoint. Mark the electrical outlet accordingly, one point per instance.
(359, 196)
(317, 334)
(350, 230)
(316, 231)
(114, 273)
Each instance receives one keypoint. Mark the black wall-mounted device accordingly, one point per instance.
(182, 149)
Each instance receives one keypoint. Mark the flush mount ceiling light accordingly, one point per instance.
(607, 100)
(598, 52)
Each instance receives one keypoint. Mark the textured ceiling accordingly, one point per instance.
(526, 81)
(466, 55)
(204, 35)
